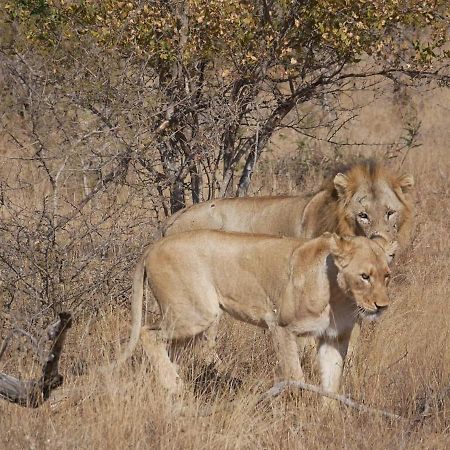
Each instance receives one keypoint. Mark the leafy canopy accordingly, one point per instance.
(243, 33)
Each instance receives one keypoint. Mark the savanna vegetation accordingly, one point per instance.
(116, 114)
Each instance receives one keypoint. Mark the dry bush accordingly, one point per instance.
(400, 364)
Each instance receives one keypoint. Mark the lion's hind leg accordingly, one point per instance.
(178, 326)
(208, 345)
(155, 344)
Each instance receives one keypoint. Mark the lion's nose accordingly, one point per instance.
(379, 235)
(380, 307)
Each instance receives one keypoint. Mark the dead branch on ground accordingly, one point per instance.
(280, 387)
(35, 392)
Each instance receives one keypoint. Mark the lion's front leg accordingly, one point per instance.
(331, 354)
(286, 349)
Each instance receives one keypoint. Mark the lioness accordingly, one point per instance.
(293, 287)
(364, 200)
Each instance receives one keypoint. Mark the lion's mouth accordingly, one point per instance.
(369, 314)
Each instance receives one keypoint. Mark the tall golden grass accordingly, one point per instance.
(399, 363)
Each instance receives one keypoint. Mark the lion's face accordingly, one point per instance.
(363, 273)
(375, 212)
(374, 206)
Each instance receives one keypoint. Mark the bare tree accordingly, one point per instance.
(193, 92)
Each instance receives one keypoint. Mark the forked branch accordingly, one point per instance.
(35, 392)
(283, 385)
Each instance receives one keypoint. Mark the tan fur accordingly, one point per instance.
(292, 287)
(366, 187)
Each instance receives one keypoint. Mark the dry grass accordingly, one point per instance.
(397, 365)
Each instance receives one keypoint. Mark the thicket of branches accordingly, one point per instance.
(116, 114)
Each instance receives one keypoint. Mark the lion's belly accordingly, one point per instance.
(255, 312)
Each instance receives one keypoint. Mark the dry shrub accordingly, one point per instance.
(400, 364)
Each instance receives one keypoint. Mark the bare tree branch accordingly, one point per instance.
(283, 385)
(34, 392)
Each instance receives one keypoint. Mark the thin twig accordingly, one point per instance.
(389, 366)
(33, 341)
(283, 385)
(5, 344)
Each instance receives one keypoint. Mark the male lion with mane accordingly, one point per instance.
(292, 287)
(365, 199)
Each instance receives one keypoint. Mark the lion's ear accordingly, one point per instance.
(406, 183)
(341, 249)
(341, 182)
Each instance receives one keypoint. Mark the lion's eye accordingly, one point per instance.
(365, 277)
(390, 213)
(363, 215)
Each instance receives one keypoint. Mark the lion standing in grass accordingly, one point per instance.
(292, 287)
(366, 199)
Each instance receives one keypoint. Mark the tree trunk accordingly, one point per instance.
(247, 172)
(196, 182)
(177, 201)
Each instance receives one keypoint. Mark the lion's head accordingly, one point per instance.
(363, 272)
(372, 201)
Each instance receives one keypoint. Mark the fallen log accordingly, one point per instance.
(34, 393)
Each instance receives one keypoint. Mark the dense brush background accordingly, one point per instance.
(398, 364)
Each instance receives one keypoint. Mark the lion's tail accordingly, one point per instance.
(136, 309)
